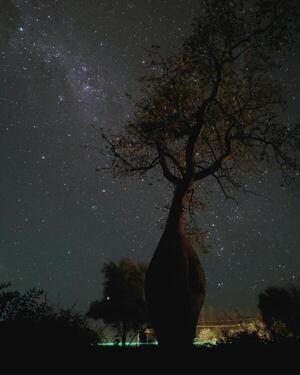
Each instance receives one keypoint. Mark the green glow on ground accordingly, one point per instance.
(133, 343)
(136, 343)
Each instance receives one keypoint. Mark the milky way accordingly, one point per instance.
(68, 65)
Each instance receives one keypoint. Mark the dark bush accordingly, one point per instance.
(280, 310)
(29, 320)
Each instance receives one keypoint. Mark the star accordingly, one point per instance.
(68, 66)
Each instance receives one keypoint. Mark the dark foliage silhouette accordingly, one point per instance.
(29, 320)
(280, 310)
(123, 304)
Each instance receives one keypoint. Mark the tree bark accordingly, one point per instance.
(175, 281)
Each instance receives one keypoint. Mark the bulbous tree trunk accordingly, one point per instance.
(175, 281)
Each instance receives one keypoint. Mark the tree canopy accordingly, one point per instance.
(216, 108)
(30, 317)
(280, 309)
(123, 304)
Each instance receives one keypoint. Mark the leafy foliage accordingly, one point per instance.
(280, 309)
(30, 317)
(123, 305)
(216, 108)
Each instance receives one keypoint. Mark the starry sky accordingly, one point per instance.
(65, 65)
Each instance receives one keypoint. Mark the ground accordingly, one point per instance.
(149, 360)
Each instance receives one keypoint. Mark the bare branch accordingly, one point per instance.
(166, 171)
(196, 130)
(214, 167)
(227, 196)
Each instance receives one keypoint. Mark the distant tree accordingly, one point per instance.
(30, 319)
(280, 310)
(123, 304)
(213, 111)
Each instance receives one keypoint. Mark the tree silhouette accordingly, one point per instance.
(123, 304)
(280, 309)
(28, 317)
(215, 110)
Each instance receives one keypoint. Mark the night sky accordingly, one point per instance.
(67, 65)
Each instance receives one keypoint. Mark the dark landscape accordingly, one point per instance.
(149, 197)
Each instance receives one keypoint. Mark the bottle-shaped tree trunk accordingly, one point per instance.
(175, 282)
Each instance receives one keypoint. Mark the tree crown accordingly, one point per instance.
(123, 296)
(215, 108)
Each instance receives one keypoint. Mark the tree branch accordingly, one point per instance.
(196, 130)
(175, 161)
(129, 166)
(227, 196)
(166, 171)
(214, 167)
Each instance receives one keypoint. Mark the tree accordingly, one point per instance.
(17, 306)
(214, 110)
(29, 318)
(280, 310)
(123, 304)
